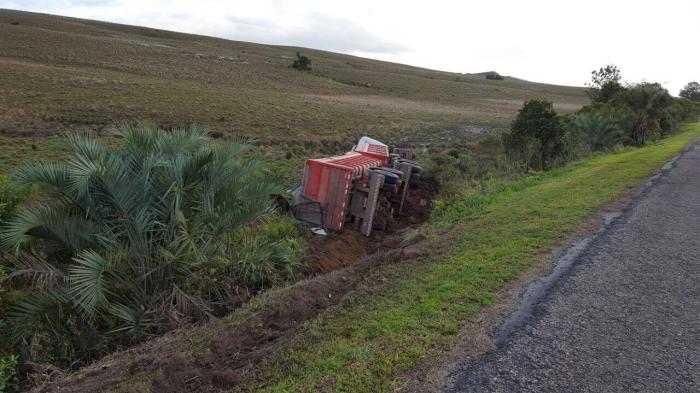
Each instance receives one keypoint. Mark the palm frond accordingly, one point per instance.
(33, 309)
(88, 286)
(135, 322)
(55, 175)
(31, 271)
(57, 223)
(188, 305)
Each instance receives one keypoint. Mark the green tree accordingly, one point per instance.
(537, 135)
(131, 241)
(691, 91)
(605, 83)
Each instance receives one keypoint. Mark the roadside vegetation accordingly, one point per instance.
(617, 115)
(124, 243)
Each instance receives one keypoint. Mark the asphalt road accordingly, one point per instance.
(625, 317)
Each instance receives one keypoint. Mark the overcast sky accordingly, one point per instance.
(540, 40)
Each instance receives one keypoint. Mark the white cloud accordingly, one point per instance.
(542, 40)
(314, 30)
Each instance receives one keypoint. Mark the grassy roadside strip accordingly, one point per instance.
(365, 345)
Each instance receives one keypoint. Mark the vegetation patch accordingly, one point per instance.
(167, 229)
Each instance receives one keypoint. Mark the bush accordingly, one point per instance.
(597, 131)
(645, 104)
(537, 135)
(8, 369)
(266, 254)
(302, 63)
(126, 241)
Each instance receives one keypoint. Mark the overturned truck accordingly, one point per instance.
(364, 188)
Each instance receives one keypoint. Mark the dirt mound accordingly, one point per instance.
(223, 353)
(335, 252)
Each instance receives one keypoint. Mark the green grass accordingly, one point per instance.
(61, 73)
(366, 345)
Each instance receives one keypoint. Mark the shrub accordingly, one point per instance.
(8, 369)
(537, 135)
(266, 254)
(645, 104)
(597, 131)
(302, 63)
(443, 169)
(115, 253)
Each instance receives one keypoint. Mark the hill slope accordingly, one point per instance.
(64, 73)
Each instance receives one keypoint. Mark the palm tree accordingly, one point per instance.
(598, 131)
(123, 235)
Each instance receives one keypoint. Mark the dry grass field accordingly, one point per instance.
(59, 74)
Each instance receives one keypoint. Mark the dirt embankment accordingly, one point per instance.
(226, 352)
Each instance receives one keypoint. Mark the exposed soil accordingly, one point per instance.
(226, 352)
(343, 249)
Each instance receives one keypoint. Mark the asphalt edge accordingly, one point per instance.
(569, 257)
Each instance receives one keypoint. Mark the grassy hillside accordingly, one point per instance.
(60, 73)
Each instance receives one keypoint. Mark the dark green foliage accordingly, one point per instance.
(130, 242)
(597, 131)
(267, 253)
(644, 111)
(537, 135)
(604, 75)
(8, 368)
(302, 63)
(644, 104)
(691, 91)
(681, 110)
(605, 83)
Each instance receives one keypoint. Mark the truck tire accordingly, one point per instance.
(389, 178)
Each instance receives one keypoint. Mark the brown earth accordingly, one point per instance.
(226, 352)
(346, 248)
